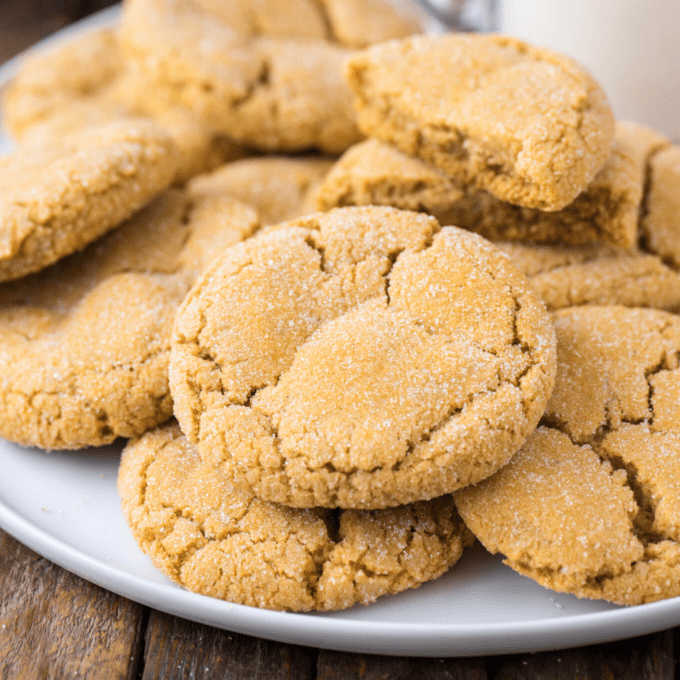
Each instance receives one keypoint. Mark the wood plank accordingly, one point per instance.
(56, 625)
(344, 666)
(644, 658)
(180, 650)
(25, 22)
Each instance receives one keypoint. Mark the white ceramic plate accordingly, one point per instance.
(65, 507)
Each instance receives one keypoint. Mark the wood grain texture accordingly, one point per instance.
(644, 658)
(55, 625)
(24, 22)
(180, 650)
(343, 666)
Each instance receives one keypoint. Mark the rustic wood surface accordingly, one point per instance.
(56, 626)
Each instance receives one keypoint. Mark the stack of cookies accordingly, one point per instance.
(332, 380)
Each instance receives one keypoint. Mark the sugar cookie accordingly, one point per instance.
(84, 344)
(58, 198)
(220, 541)
(529, 126)
(361, 358)
(591, 503)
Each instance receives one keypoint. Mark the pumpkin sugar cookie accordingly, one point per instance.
(86, 82)
(222, 542)
(280, 188)
(661, 221)
(591, 503)
(52, 78)
(373, 172)
(266, 74)
(84, 344)
(360, 358)
(376, 173)
(596, 274)
(529, 126)
(57, 198)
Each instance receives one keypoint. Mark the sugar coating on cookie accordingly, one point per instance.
(84, 344)
(267, 74)
(280, 188)
(361, 358)
(58, 198)
(529, 126)
(376, 173)
(591, 503)
(596, 274)
(86, 82)
(661, 222)
(52, 78)
(220, 541)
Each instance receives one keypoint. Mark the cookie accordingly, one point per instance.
(52, 78)
(271, 93)
(86, 82)
(361, 358)
(591, 505)
(280, 188)
(529, 126)
(357, 23)
(222, 542)
(58, 198)
(84, 344)
(661, 221)
(596, 274)
(374, 172)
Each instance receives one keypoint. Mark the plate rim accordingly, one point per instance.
(318, 629)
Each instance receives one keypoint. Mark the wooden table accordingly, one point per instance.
(54, 625)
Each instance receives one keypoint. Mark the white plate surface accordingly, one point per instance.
(64, 506)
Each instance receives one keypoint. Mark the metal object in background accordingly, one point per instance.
(463, 15)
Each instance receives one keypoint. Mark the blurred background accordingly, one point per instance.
(24, 22)
(631, 46)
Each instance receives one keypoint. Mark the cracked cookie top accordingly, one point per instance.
(57, 198)
(596, 274)
(529, 126)
(84, 344)
(591, 503)
(267, 73)
(361, 358)
(223, 542)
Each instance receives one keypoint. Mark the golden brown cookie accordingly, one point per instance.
(52, 78)
(57, 198)
(268, 83)
(361, 358)
(280, 188)
(267, 74)
(376, 173)
(527, 125)
(84, 344)
(222, 542)
(596, 274)
(86, 82)
(661, 222)
(591, 503)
